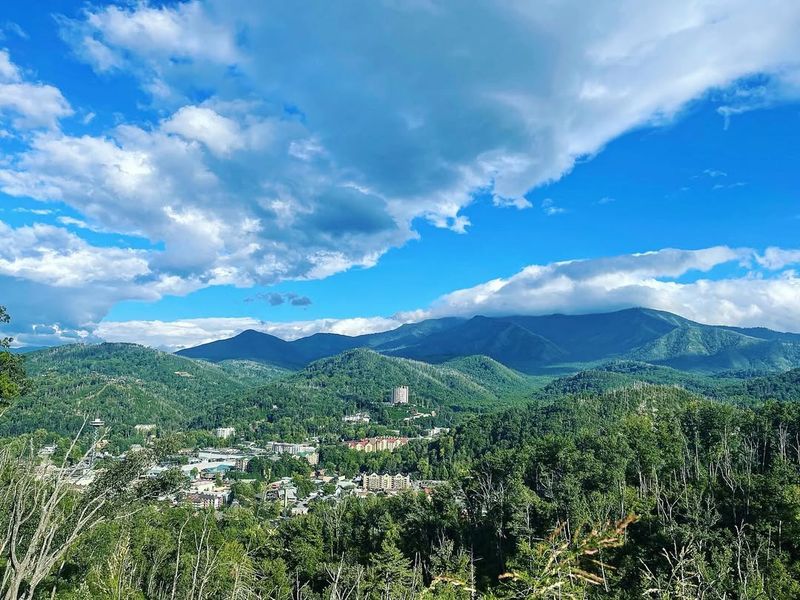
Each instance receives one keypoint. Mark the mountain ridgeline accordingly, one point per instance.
(551, 344)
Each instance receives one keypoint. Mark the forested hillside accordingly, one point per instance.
(626, 480)
(315, 398)
(549, 344)
(126, 384)
(645, 491)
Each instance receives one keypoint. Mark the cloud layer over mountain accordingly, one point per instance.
(671, 280)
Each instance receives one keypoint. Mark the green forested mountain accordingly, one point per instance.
(550, 344)
(625, 373)
(124, 383)
(492, 374)
(315, 398)
(368, 376)
(128, 384)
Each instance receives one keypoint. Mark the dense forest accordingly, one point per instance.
(624, 481)
(647, 491)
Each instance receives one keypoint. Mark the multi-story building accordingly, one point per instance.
(206, 500)
(400, 395)
(386, 482)
(377, 444)
(225, 432)
(299, 450)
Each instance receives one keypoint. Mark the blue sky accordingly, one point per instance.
(176, 173)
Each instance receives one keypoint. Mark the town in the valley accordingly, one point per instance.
(284, 475)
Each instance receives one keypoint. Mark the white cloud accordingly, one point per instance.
(8, 70)
(778, 258)
(650, 279)
(220, 134)
(184, 30)
(16, 29)
(100, 56)
(26, 104)
(52, 256)
(33, 211)
(520, 203)
(174, 335)
(424, 126)
(267, 217)
(549, 207)
(33, 105)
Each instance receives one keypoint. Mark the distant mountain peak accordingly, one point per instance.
(535, 344)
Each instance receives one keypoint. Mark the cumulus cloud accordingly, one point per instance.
(220, 134)
(651, 279)
(26, 104)
(50, 277)
(419, 128)
(8, 70)
(52, 256)
(778, 258)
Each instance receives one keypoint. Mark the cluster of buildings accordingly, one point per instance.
(377, 444)
(359, 417)
(418, 415)
(205, 493)
(309, 453)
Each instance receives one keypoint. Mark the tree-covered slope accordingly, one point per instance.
(369, 377)
(539, 344)
(492, 374)
(780, 386)
(125, 384)
(626, 373)
(507, 342)
(314, 399)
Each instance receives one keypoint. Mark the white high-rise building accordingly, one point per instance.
(400, 395)
(224, 432)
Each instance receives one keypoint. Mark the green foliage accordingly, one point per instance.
(12, 374)
(531, 478)
(126, 384)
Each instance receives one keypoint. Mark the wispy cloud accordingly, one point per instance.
(549, 207)
(14, 28)
(33, 211)
(729, 186)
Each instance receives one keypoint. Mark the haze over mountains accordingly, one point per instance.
(537, 344)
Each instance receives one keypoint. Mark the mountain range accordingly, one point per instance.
(550, 344)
